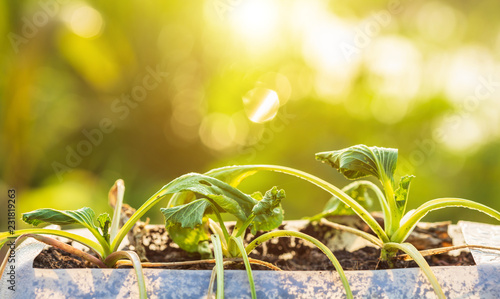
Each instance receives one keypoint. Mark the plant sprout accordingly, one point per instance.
(358, 162)
(197, 195)
(259, 212)
(187, 224)
(104, 231)
(361, 161)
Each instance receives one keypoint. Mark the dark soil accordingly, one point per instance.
(289, 254)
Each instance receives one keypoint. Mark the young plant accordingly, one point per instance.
(107, 232)
(188, 223)
(259, 212)
(103, 231)
(358, 162)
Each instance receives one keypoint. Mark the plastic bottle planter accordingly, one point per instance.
(480, 281)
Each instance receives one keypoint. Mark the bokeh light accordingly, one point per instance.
(261, 104)
(84, 21)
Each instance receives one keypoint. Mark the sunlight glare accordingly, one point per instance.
(255, 21)
(84, 21)
(261, 104)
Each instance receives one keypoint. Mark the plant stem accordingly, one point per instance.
(286, 233)
(422, 263)
(136, 216)
(216, 229)
(406, 228)
(134, 258)
(116, 200)
(219, 266)
(355, 206)
(370, 238)
(247, 266)
(243, 228)
(391, 220)
(225, 233)
(211, 282)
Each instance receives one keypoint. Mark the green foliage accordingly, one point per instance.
(268, 212)
(356, 190)
(104, 224)
(187, 222)
(84, 216)
(361, 161)
(264, 214)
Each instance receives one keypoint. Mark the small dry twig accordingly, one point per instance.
(434, 251)
(187, 263)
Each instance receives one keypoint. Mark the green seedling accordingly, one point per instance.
(104, 231)
(188, 223)
(259, 212)
(358, 162)
(361, 161)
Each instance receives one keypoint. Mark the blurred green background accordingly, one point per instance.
(93, 91)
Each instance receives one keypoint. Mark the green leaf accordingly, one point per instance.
(190, 239)
(272, 199)
(268, 210)
(188, 215)
(226, 197)
(360, 161)
(230, 174)
(185, 224)
(84, 216)
(358, 191)
(214, 194)
(104, 222)
(401, 193)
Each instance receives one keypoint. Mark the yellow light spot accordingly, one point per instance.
(256, 22)
(261, 104)
(86, 22)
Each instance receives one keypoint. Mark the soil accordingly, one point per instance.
(289, 254)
